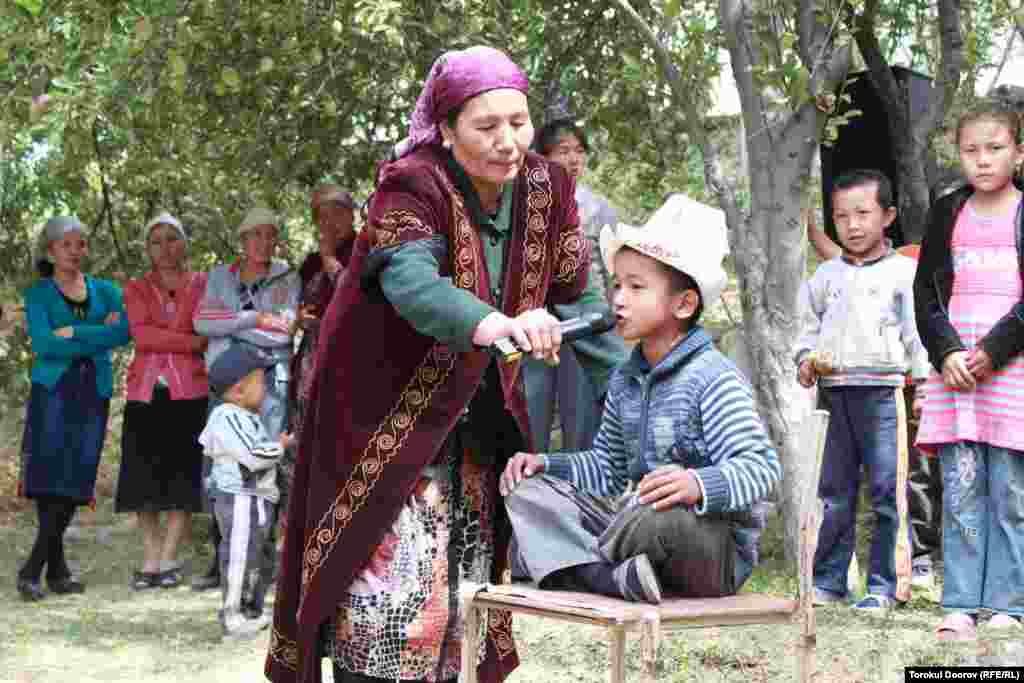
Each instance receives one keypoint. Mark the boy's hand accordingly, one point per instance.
(806, 374)
(521, 466)
(980, 364)
(956, 374)
(65, 332)
(286, 440)
(668, 486)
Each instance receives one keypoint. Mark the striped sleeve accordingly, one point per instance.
(744, 465)
(603, 469)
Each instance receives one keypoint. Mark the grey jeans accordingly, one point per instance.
(557, 526)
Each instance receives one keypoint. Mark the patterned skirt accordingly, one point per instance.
(400, 618)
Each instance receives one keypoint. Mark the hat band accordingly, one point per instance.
(652, 249)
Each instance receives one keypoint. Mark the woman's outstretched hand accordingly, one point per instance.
(536, 331)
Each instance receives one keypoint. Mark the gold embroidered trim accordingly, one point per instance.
(383, 446)
(467, 267)
(573, 256)
(389, 228)
(538, 208)
(284, 651)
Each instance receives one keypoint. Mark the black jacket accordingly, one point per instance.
(933, 286)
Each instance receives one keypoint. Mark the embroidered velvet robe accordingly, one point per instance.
(385, 397)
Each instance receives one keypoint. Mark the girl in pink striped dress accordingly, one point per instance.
(970, 315)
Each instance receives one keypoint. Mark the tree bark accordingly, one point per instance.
(768, 244)
(911, 136)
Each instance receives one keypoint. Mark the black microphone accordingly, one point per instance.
(572, 329)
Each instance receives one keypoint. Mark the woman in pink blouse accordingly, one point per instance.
(161, 459)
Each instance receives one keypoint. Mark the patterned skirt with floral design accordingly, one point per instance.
(400, 619)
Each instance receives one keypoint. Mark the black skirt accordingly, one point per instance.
(161, 459)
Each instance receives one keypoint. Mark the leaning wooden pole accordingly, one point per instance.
(813, 433)
(903, 554)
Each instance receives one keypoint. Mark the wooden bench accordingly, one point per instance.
(619, 616)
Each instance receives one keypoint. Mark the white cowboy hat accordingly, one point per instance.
(684, 234)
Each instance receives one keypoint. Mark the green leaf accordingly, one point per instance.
(179, 67)
(33, 7)
(230, 78)
(672, 8)
(143, 29)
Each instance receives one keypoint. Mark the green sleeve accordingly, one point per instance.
(600, 354)
(432, 304)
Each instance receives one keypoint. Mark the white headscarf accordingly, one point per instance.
(53, 230)
(164, 218)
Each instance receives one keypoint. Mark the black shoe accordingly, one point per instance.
(66, 585)
(171, 578)
(145, 580)
(30, 591)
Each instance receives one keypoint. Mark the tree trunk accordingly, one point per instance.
(770, 265)
(767, 245)
(911, 133)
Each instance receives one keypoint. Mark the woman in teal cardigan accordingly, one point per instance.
(74, 321)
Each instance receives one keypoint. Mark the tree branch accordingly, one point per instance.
(816, 47)
(1002, 62)
(948, 78)
(879, 72)
(108, 206)
(694, 121)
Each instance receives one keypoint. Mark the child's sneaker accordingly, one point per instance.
(238, 626)
(637, 580)
(922, 576)
(873, 603)
(823, 597)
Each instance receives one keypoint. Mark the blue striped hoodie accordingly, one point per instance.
(693, 408)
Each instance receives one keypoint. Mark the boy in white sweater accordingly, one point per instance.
(242, 484)
(859, 340)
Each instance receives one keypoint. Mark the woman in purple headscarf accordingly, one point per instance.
(410, 421)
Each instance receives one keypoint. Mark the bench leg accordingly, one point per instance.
(473, 617)
(650, 630)
(617, 654)
(808, 642)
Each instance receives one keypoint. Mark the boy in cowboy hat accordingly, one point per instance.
(679, 423)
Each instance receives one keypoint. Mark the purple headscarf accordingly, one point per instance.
(455, 77)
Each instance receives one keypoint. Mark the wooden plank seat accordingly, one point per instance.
(619, 616)
(598, 610)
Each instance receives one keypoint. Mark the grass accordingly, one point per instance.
(172, 636)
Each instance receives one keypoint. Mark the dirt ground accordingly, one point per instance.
(171, 636)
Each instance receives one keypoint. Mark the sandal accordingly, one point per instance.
(957, 627)
(170, 578)
(1002, 620)
(143, 580)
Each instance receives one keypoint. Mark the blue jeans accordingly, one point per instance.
(861, 432)
(982, 528)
